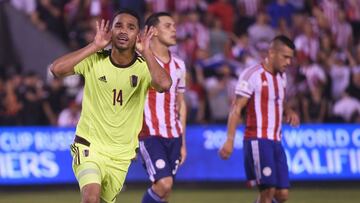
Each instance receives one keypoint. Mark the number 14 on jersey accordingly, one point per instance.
(117, 97)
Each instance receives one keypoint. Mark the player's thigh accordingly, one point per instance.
(282, 170)
(249, 162)
(259, 162)
(116, 171)
(155, 158)
(268, 163)
(86, 165)
(173, 148)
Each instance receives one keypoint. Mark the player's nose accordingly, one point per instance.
(122, 30)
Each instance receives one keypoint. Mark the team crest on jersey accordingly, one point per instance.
(133, 80)
(244, 85)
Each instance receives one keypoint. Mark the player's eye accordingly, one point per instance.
(118, 25)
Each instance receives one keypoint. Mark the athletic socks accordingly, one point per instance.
(151, 197)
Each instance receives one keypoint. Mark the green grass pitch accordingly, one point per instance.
(187, 195)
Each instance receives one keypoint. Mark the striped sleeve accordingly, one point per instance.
(182, 79)
(244, 86)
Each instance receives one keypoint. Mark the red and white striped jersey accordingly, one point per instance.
(264, 110)
(331, 10)
(308, 45)
(161, 116)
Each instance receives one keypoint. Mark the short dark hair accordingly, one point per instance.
(128, 11)
(153, 19)
(284, 40)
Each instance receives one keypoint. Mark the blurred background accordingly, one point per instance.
(217, 39)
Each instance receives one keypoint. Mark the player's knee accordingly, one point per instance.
(282, 196)
(267, 192)
(165, 185)
(90, 198)
(90, 193)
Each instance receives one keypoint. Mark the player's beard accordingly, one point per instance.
(281, 69)
(278, 68)
(122, 48)
(126, 45)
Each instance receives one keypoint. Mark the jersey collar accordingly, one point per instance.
(123, 66)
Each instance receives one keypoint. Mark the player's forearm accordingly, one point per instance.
(160, 79)
(64, 65)
(233, 121)
(183, 114)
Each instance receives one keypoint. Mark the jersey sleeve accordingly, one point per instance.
(182, 83)
(85, 65)
(245, 85)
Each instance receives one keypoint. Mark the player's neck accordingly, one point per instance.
(122, 57)
(268, 67)
(161, 52)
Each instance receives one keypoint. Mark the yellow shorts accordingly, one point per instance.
(90, 166)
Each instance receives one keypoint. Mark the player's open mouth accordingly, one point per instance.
(122, 39)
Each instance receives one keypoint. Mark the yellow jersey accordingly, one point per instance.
(113, 103)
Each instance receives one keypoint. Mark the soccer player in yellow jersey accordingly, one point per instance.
(116, 83)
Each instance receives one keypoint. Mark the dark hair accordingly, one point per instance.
(128, 11)
(284, 40)
(153, 19)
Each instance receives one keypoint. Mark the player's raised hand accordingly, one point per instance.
(103, 34)
(143, 42)
(227, 149)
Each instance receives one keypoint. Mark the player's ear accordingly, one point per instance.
(271, 53)
(156, 32)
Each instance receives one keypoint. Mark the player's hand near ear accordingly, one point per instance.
(103, 34)
(144, 39)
